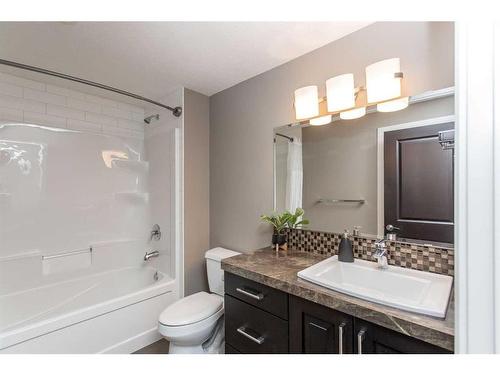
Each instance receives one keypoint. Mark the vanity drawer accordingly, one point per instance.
(230, 350)
(259, 295)
(253, 331)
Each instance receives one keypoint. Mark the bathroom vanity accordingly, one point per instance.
(268, 309)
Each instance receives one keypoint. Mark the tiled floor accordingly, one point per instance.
(158, 347)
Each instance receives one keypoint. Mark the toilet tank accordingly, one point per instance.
(215, 273)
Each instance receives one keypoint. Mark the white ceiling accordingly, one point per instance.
(154, 58)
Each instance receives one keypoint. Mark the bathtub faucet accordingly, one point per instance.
(152, 254)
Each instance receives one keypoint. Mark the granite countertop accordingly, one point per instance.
(280, 272)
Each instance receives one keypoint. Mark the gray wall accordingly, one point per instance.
(196, 193)
(242, 117)
(340, 161)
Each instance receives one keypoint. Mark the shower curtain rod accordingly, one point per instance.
(176, 111)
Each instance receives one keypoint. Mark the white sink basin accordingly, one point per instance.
(407, 289)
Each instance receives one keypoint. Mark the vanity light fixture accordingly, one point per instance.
(318, 121)
(353, 113)
(306, 102)
(383, 90)
(393, 105)
(383, 80)
(340, 92)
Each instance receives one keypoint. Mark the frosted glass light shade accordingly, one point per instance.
(353, 113)
(340, 92)
(393, 105)
(380, 81)
(323, 120)
(306, 102)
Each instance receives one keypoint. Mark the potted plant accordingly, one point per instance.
(279, 223)
(295, 220)
(282, 221)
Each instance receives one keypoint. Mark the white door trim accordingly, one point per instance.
(380, 159)
(477, 206)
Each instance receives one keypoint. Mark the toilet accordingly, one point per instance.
(194, 324)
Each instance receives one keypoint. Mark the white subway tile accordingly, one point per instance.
(44, 97)
(138, 116)
(84, 105)
(113, 130)
(84, 126)
(128, 124)
(57, 110)
(20, 103)
(10, 114)
(66, 92)
(22, 82)
(101, 100)
(131, 108)
(100, 119)
(117, 112)
(137, 134)
(10, 89)
(44, 119)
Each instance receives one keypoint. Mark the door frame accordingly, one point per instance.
(477, 188)
(380, 159)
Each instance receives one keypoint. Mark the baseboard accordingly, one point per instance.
(134, 343)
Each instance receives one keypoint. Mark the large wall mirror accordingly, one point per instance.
(383, 173)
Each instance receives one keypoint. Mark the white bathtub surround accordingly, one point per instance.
(80, 190)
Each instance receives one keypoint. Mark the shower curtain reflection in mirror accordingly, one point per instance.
(288, 176)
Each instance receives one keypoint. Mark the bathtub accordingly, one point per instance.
(109, 312)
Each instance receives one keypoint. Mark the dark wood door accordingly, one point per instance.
(418, 183)
(373, 339)
(316, 329)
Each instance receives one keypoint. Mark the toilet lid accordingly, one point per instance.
(191, 309)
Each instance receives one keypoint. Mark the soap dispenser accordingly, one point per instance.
(345, 249)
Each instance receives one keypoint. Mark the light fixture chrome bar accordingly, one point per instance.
(418, 98)
(176, 111)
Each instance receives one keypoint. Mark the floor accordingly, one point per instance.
(158, 347)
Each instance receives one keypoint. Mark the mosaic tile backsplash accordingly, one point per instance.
(408, 255)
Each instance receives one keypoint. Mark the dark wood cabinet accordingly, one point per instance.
(316, 329)
(373, 339)
(252, 330)
(264, 320)
(261, 296)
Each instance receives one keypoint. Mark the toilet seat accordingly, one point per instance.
(191, 310)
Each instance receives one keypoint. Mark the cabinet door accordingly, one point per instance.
(316, 329)
(250, 330)
(373, 339)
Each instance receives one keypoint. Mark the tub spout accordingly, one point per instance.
(151, 254)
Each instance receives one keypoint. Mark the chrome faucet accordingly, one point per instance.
(151, 254)
(381, 254)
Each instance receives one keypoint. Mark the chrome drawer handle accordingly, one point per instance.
(259, 340)
(341, 338)
(361, 337)
(258, 296)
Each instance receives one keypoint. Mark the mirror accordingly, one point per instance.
(383, 169)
